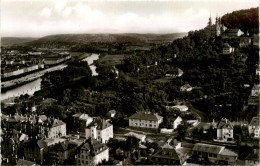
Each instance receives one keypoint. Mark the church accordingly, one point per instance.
(215, 29)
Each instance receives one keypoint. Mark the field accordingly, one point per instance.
(111, 59)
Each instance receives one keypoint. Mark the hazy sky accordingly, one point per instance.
(40, 18)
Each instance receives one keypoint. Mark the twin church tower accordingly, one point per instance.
(215, 29)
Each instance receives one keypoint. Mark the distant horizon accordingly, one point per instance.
(94, 34)
(36, 19)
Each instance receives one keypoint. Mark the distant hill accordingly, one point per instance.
(106, 38)
(10, 41)
(246, 20)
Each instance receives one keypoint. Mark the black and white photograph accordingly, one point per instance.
(129, 82)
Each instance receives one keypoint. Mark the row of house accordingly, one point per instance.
(35, 125)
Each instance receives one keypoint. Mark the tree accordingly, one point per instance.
(182, 130)
(131, 143)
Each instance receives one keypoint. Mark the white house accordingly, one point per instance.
(254, 127)
(111, 113)
(92, 152)
(227, 49)
(145, 119)
(225, 130)
(214, 153)
(100, 130)
(141, 137)
(176, 122)
(174, 73)
(186, 88)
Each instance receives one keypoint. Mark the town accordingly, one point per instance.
(193, 100)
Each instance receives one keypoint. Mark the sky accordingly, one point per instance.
(27, 18)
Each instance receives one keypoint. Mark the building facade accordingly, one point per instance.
(100, 130)
(225, 130)
(254, 127)
(92, 152)
(145, 119)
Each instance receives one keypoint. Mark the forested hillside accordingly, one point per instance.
(246, 20)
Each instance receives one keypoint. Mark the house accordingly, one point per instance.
(224, 130)
(255, 90)
(227, 49)
(92, 152)
(182, 108)
(232, 33)
(168, 156)
(175, 122)
(254, 127)
(22, 162)
(81, 121)
(245, 41)
(60, 152)
(213, 153)
(141, 137)
(37, 124)
(253, 158)
(111, 113)
(174, 73)
(186, 88)
(37, 150)
(100, 130)
(145, 119)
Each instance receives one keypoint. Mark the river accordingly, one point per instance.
(31, 87)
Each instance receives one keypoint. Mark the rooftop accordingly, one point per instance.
(224, 123)
(144, 115)
(208, 148)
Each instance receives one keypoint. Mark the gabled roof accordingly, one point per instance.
(200, 147)
(226, 45)
(255, 121)
(93, 147)
(139, 136)
(256, 87)
(186, 86)
(142, 115)
(167, 153)
(224, 123)
(227, 152)
(101, 124)
(232, 30)
(22, 162)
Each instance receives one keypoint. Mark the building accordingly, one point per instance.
(100, 130)
(254, 127)
(186, 88)
(81, 121)
(253, 158)
(232, 33)
(92, 152)
(145, 119)
(141, 137)
(255, 90)
(224, 130)
(174, 73)
(176, 122)
(37, 150)
(111, 113)
(215, 29)
(213, 153)
(227, 49)
(37, 124)
(60, 152)
(168, 156)
(245, 41)
(22, 162)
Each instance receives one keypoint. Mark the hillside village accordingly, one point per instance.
(191, 101)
